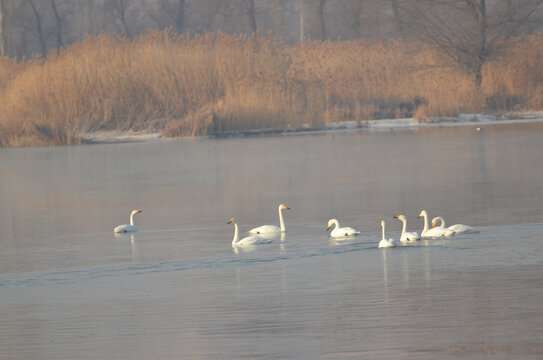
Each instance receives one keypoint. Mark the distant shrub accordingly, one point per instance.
(184, 85)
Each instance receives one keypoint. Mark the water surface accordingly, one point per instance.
(71, 289)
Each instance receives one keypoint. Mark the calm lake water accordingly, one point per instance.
(71, 289)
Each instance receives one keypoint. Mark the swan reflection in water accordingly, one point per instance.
(133, 247)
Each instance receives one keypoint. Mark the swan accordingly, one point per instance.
(384, 243)
(341, 231)
(247, 241)
(128, 228)
(435, 232)
(406, 236)
(457, 228)
(270, 229)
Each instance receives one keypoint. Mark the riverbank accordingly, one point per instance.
(464, 120)
(217, 84)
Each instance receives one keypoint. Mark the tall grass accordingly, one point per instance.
(186, 86)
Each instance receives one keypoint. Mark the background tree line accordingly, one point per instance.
(75, 66)
(30, 27)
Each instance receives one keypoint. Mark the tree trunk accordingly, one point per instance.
(321, 18)
(301, 11)
(39, 29)
(180, 21)
(252, 16)
(482, 53)
(59, 25)
(3, 47)
(397, 20)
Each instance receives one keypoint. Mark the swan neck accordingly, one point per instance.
(383, 231)
(442, 222)
(404, 226)
(425, 223)
(132, 219)
(281, 221)
(236, 235)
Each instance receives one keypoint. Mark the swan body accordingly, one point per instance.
(272, 229)
(247, 241)
(341, 231)
(406, 236)
(128, 227)
(434, 232)
(384, 243)
(457, 228)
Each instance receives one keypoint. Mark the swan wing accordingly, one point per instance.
(461, 228)
(438, 232)
(265, 229)
(387, 243)
(253, 240)
(344, 232)
(409, 236)
(124, 228)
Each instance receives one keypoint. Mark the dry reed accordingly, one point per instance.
(186, 86)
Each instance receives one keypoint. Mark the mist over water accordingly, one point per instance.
(71, 289)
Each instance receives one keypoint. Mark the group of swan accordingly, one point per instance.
(261, 234)
(434, 232)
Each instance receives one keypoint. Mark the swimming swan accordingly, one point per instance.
(406, 236)
(384, 243)
(128, 228)
(435, 232)
(249, 240)
(270, 229)
(340, 231)
(458, 228)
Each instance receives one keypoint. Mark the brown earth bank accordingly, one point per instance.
(179, 85)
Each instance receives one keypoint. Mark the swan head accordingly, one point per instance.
(400, 217)
(231, 221)
(134, 212)
(283, 207)
(435, 220)
(423, 213)
(330, 223)
(382, 223)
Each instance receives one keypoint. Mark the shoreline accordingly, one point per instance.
(115, 136)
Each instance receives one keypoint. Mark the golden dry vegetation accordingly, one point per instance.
(186, 86)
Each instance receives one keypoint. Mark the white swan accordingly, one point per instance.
(128, 228)
(270, 229)
(384, 243)
(249, 240)
(457, 228)
(406, 236)
(435, 232)
(340, 231)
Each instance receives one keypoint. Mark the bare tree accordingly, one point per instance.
(470, 31)
(252, 16)
(3, 42)
(58, 20)
(321, 19)
(119, 9)
(39, 29)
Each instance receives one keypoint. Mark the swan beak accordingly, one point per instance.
(433, 225)
(328, 228)
(396, 217)
(140, 211)
(287, 208)
(230, 221)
